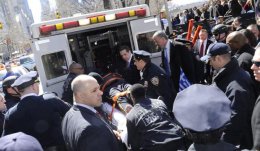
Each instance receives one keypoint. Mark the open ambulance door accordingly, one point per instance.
(142, 32)
(52, 58)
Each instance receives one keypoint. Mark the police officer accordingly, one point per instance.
(38, 116)
(210, 114)
(149, 125)
(156, 82)
(220, 32)
(12, 97)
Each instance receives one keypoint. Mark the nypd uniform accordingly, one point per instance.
(38, 116)
(210, 113)
(155, 80)
(149, 125)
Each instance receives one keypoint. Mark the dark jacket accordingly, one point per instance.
(180, 57)
(256, 124)
(38, 116)
(83, 130)
(202, 70)
(2, 117)
(220, 146)
(235, 8)
(151, 128)
(67, 94)
(244, 57)
(238, 87)
(129, 73)
(157, 84)
(11, 101)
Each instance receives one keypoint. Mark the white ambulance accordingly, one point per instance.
(91, 40)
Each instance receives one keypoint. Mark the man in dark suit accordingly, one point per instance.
(128, 69)
(82, 127)
(75, 69)
(175, 56)
(38, 116)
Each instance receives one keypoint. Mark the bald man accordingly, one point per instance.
(241, 50)
(82, 128)
(255, 30)
(75, 69)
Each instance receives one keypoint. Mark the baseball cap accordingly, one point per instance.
(216, 49)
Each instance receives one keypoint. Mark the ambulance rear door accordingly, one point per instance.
(52, 58)
(142, 32)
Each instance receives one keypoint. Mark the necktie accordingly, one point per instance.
(127, 64)
(166, 63)
(99, 115)
(201, 49)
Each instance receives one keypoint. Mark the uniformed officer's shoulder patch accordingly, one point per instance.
(155, 81)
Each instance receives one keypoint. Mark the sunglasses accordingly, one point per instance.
(257, 63)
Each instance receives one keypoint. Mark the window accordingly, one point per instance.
(145, 42)
(55, 65)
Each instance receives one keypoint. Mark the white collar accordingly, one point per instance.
(203, 40)
(130, 58)
(86, 106)
(29, 94)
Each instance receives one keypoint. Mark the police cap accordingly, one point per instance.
(202, 108)
(19, 141)
(26, 80)
(140, 54)
(9, 81)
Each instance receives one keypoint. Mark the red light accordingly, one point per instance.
(46, 29)
(70, 24)
(122, 15)
(140, 12)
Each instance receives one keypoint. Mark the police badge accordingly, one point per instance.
(155, 81)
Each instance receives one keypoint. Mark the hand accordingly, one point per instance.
(117, 134)
(128, 108)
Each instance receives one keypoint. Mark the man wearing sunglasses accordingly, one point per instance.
(256, 113)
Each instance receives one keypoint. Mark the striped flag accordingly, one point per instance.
(184, 82)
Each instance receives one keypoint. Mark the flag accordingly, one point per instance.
(184, 82)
